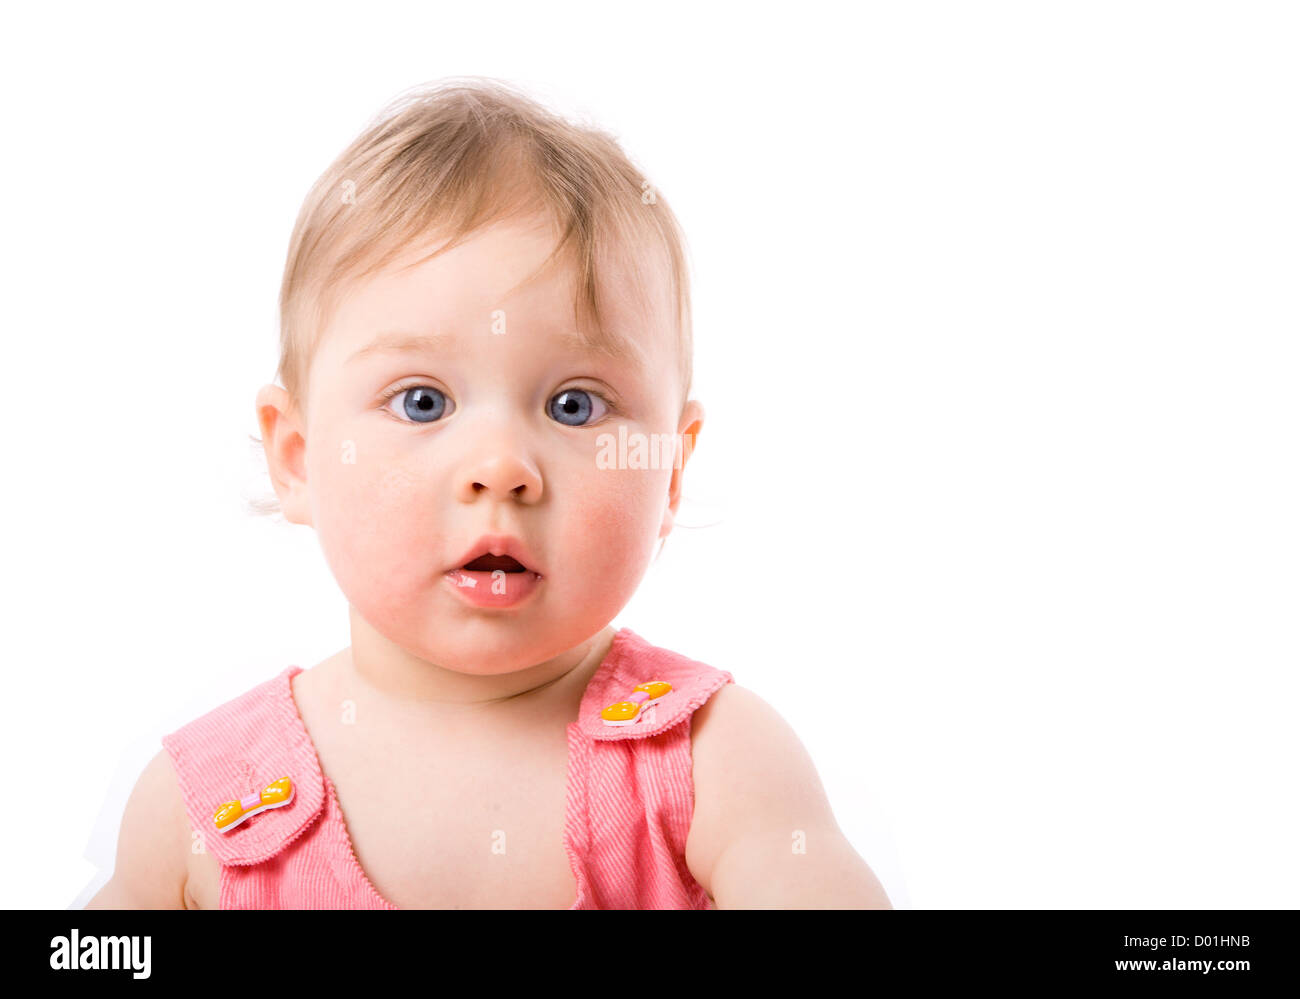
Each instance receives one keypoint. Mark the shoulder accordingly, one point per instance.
(239, 748)
(745, 753)
(750, 770)
(246, 711)
(632, 660)
(763, 833)
(151, 869)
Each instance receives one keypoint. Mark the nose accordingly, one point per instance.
(501, 473)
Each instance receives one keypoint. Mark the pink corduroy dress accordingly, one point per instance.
(628, 804)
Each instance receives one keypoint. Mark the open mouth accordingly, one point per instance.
(494, 582)
(491, 563)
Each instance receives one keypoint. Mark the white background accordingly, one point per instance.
(996, 315)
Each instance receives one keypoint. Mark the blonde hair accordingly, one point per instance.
(455, 156)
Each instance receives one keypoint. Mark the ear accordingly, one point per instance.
(285, 443)
(688, 429)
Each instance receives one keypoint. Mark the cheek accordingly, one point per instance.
(610, 526)
(377, 523)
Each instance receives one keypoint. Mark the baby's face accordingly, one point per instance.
(416, 449)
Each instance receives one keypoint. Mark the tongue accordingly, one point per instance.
(489, 563)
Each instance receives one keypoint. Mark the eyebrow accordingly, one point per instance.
(396, 341)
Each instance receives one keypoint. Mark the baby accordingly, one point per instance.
(485, 416)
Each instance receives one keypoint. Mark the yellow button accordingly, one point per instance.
(655, 688)
(621, 711)
(227, 814)
(276, 791)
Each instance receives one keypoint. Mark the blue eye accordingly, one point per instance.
(420, 403)
(573, 407)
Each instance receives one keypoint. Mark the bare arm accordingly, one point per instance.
(152, 845)
(763, 834)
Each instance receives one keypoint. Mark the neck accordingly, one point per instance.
(495, 682)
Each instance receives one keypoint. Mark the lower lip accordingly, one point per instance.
(489, 589)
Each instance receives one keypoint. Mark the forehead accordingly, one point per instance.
(432, 298)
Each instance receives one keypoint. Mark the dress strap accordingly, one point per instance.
(632, 662)
(236, 752)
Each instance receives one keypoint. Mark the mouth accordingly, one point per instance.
(495, 581)
(491, 563)
(494, 553)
